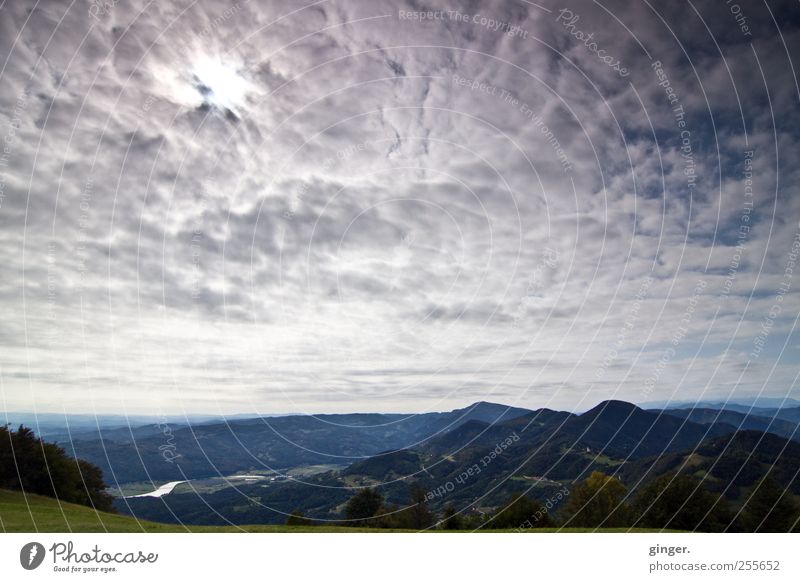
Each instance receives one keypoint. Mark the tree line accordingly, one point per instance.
(680, 502)
(671, 501)
(32, 465)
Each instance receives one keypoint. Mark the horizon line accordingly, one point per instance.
(788, 401)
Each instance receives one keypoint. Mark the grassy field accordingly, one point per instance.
(34, 513)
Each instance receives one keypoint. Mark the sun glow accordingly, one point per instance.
(220, 85)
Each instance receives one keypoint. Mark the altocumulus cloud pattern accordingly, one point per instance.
(240, 206)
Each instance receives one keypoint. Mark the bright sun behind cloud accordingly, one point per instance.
(220, 84)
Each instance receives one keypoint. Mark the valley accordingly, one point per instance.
(261, 470)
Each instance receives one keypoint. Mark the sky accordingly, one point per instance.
(339, 206)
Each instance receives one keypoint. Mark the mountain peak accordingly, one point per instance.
(487, 404)
(484, 405)
(613, 407)
(490, 412)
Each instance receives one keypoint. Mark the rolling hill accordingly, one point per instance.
(473, 458)
(740, 420)
(728, 464)
(178, 453)
(478, 465)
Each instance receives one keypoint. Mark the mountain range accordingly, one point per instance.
(472, 458)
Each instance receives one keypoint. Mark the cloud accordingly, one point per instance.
(344, 207)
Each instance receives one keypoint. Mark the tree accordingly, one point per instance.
(32, 465)
(93, 491)
(419, 515)
(388, 517)
(451, 519)
(521, 512)
(415, 515)
(363, 505)
(675, 501)
(474, 520)
(598, 502)
(768, 509)
(298, 518)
